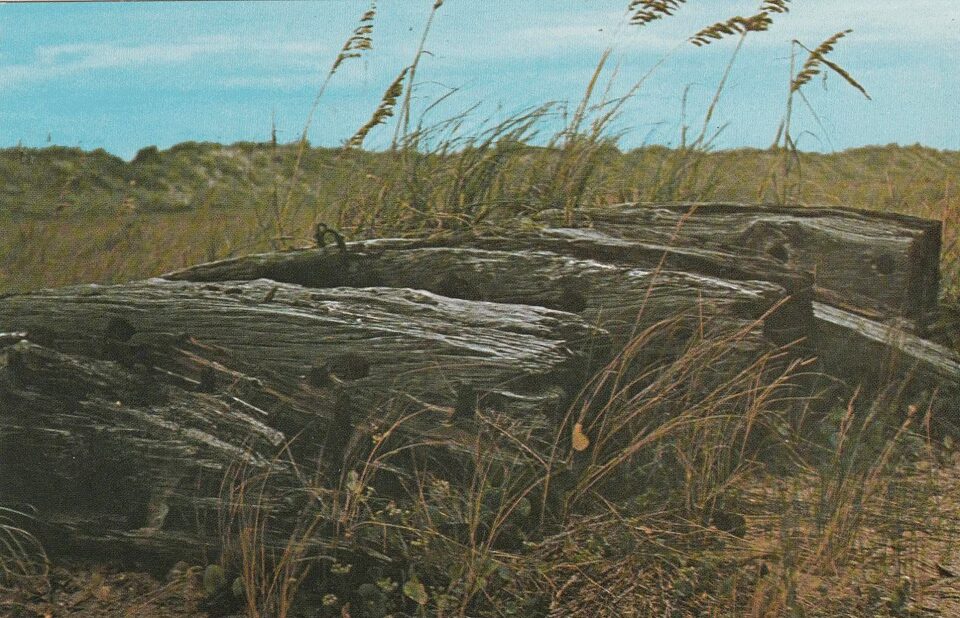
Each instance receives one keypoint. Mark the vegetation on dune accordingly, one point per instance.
(198, 202)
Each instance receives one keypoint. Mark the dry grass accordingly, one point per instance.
(461, 181)
(679, 487)
(23, 561)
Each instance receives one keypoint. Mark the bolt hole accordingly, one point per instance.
(572, 301)
(208, 379)
(884, 264)
(454, 286)
(344, 367)
(778, 252)
(119, 329)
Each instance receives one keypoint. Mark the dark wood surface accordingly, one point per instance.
(122, 407)
(876, 264)
(116, 461)
(886, 360)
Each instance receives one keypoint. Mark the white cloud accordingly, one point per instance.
(879, 21)
(529, 34)
(541, 35)
(548, 35)
(55, 61)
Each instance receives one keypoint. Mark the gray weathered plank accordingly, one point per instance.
(406, 336)
(877, 264)
(122, 407)
(622, 299)
(879, 357)
(108, 457)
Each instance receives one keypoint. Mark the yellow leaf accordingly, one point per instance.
(579, 439)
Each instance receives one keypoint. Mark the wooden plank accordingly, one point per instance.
(624, 300)
(876, 264)
(412, 342)
(112, 460)
(122, 407)
(881, 357)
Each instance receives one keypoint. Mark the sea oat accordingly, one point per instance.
(818, 58)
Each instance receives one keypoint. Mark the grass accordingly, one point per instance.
(208, 201)
(23, 562)
(701, 492)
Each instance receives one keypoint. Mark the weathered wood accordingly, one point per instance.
(880, 357)
(623, 300)
(123, 407)
(876, 264)
(791, 322)
(119, 427)
(322, 268)
(411, 342)
(109, 458)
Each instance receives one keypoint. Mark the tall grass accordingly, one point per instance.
(372, 194)
(679, 488)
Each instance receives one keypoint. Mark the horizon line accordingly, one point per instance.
(295, 143)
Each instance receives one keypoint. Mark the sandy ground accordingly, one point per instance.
(91, 592)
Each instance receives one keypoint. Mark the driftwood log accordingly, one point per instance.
(880, 265)
(622, 299)
(149, 391)
(376, 342)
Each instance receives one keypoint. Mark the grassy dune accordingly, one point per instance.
(71, 216)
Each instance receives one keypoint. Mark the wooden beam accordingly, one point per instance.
(877, 264)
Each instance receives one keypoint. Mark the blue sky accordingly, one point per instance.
(125, 75)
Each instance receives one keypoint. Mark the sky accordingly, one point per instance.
(122, 76)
